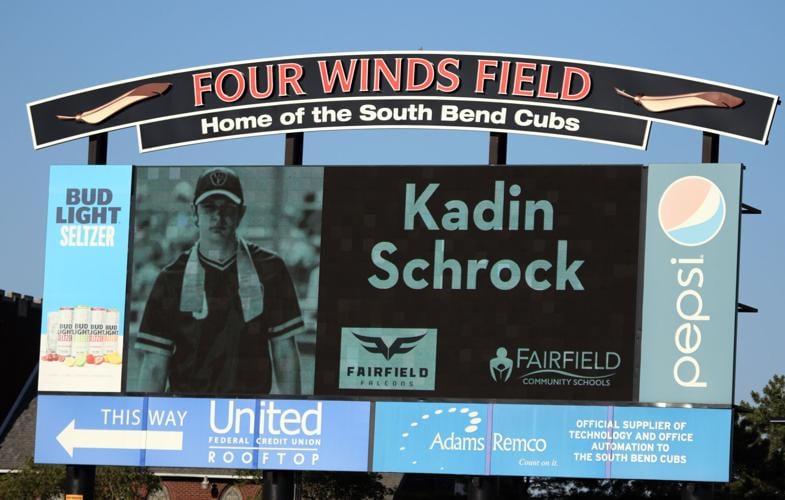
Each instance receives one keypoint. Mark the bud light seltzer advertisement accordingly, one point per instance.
(690, 283)
(85, 283)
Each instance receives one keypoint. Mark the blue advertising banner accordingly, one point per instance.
(679, 444)
(431, 437)
(555, 441)
(85, 278)
(611, 442)
(690, 283)
(535, 440)
(209, 433)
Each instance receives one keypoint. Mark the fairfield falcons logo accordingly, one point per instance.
(376, 345)
(218, 178)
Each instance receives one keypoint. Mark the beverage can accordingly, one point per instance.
(81, 336)
(111, 332)
(97, 331)
(52, 327)
(65, 331)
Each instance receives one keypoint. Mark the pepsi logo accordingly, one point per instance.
(692, 211)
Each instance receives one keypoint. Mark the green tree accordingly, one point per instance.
(32, 481)
(766, 406)
(328, 485)
(47, 481)
(125, 483)
(758, 453)
(343, 485)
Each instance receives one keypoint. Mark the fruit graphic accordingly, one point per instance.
(113, 358)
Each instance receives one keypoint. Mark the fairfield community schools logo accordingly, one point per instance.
(554, 367)
(388, 358)
(692, 211)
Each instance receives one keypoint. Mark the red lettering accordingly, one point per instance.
(542, 87)
(253, 82)
(200, 89)
(364, 74)
(504, 77)
(452, 77)
(381, 69)
(483, 75)
(289, 80)
(343, 77)
(219, 85)
(520, 78)
(569, 72)
(411, 74)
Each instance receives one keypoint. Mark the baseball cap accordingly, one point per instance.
(218, 181)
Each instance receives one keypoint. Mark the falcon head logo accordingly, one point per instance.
(400, 345)
(218, 178)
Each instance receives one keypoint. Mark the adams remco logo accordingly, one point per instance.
(554, 367)
(388, 358)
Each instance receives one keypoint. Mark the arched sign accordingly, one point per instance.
(410, 89)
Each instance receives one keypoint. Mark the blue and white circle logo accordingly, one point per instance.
(692, 211)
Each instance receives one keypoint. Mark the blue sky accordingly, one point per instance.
(48, 48)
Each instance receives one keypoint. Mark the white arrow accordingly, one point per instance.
(123, 439)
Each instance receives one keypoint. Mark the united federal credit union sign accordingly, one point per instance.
(410, 89)
(521, 283)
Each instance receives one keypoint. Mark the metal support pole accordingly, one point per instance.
(293, 154)
(497, 149)
(80, 479)
(483, 487)
(711, 148)
(96, 149)
(279, 484)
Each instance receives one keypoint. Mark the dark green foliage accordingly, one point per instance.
(32, 481)
(48, 481)
(759, 446)
(125, 482)
(328, 485)
(343, 485)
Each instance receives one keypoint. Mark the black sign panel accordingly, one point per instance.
(525, 279)
(415, 112)
(410, 77)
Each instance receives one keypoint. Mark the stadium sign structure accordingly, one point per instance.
(409, 89)
(586, 286)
